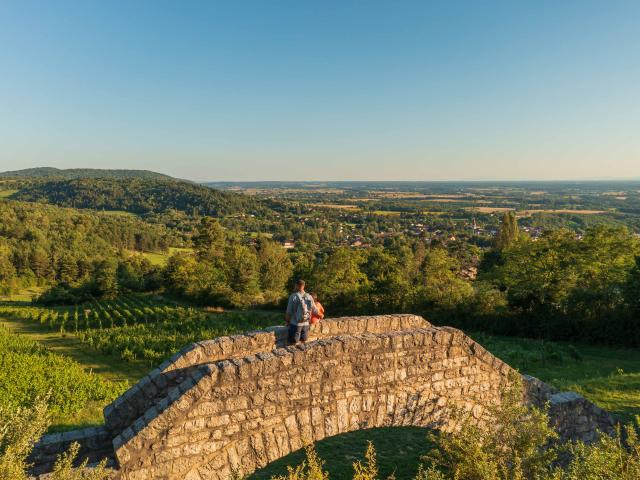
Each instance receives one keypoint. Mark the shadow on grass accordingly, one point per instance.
(398, 451)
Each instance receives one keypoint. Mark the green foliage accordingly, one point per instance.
(45, 245)
(439, 282)
(274, 269)
(564, 287)
(138, 327)
(519, 447)
(20, 428)
(616, 458)
(138, 195)
(369, 469)
(508, 232)
(310, 469)
(68, 173)
(507, 441)
(28, 371)
(224, 271)
(339, 278)
(64, 468)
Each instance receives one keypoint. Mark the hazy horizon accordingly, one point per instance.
(363, 180)
(336, 91)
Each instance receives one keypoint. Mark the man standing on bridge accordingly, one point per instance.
(299, 310)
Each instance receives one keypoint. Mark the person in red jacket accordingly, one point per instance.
(317, 314)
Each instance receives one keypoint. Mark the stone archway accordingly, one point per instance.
(241, 402)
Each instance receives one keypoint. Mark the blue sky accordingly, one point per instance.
(308, 90)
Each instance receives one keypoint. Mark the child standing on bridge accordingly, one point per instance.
(316, 317)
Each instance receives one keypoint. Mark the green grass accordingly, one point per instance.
(398, 452)
(7, 193)
(118, 213)
(23, 296)
(160, 259)
(107, 366)
(609, 377)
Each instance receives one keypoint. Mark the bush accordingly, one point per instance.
(509, 442)
(310, 469)
(20, 429)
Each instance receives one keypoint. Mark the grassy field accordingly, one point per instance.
(608, 376)
(7, 193)
(118, 213)
(398, 452)
(161, 259)
(24, 295)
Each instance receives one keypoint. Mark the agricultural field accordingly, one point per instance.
(29, 370)
(161, 259)
(7, 193)
(113, 343)
(119, 341)
(138, 327)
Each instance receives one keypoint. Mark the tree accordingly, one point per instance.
(67, 269)
(106, 278)
(39, 262)
(275, 268)
(508, 232)
(19, 431)
(180, 275)
(340, 280)
(439, 285)
(7, 270)
(388, 286)
(209, 240)
(242, 275)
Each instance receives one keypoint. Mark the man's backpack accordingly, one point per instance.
(306, 314)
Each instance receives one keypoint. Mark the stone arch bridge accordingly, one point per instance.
(242, 401)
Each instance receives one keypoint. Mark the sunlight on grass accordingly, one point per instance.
(398, 452)
(7, 193)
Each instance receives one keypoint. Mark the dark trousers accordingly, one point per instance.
(298, 333)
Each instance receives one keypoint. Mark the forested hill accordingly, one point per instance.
(138, 196)
(75, 173)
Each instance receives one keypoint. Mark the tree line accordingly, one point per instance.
(45, 245)
(559, 286)
(138, 195)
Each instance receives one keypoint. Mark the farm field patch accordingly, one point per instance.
(7, 193)
(335, 205)
(121, 340)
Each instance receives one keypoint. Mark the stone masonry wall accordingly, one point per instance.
(244, 413)
(132, 404)
(155, 387)
(242, 401)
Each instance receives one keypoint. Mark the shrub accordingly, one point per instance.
(310, 469)
(19, 431)
(510, 443)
